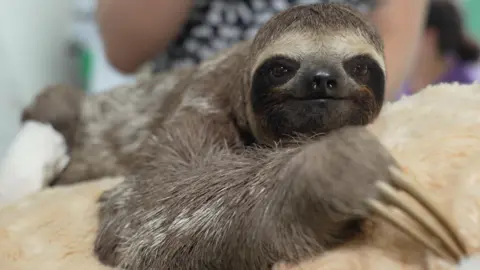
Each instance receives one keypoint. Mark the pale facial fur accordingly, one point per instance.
(300, 45)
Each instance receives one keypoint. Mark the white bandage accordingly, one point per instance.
(37, 154)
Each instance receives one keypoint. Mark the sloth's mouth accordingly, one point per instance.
(320, 99)
(319, 96)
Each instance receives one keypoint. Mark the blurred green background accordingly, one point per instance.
(472, 16)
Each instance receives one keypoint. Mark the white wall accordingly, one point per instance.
(33, 54)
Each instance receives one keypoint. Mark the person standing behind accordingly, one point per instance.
(182, 32)
(447, 53)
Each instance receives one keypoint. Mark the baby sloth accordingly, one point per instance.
(256, 156)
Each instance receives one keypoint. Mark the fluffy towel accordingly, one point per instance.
(434, 134)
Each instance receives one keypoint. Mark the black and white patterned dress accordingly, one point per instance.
(218, 24)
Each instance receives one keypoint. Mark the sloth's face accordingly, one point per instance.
(316, 93)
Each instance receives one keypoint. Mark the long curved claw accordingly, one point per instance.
(437, 233)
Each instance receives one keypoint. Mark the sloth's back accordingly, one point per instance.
(113, 124)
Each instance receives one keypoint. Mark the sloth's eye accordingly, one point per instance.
(361, 70)
(279, 71)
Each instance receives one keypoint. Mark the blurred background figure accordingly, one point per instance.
(447, 52)
(172, 33)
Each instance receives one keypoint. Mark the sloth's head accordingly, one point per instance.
(314, 69)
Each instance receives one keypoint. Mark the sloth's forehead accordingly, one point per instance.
(302, 45)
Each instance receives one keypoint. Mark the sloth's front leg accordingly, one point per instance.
(329, 181)
(240, 211)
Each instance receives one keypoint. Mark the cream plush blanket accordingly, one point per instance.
(435, 135)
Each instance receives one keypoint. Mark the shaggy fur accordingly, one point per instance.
(225, 164)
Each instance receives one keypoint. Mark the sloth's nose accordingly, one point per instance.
(325, 82)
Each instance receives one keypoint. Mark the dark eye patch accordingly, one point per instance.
(366, 71)
(360, 68)
(278, 70)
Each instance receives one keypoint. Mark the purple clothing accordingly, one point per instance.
(463, 73)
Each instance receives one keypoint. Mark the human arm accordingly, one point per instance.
(135, 31)
(400, 23)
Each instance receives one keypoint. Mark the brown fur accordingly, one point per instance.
(211, 183)
(59, 106)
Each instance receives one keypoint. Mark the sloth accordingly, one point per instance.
(258, 155)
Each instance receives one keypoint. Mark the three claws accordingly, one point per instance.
(426, 222)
